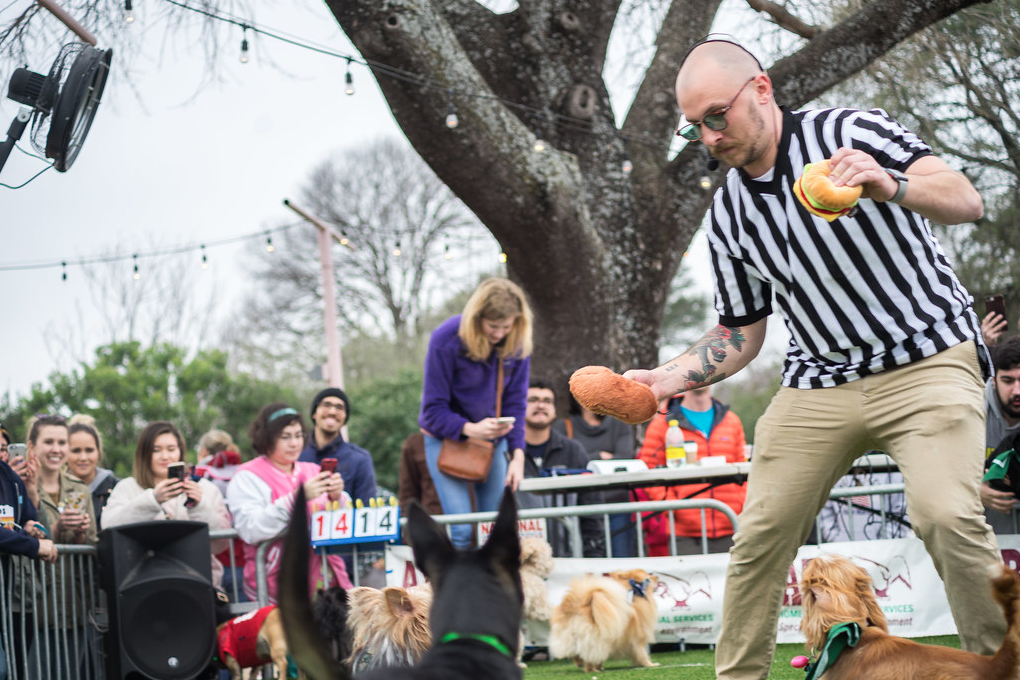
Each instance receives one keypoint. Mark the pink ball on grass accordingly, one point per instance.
(799, 661)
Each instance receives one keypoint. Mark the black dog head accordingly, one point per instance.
(476, 594)
(487, 581)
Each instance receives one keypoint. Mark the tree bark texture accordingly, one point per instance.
(594, 247)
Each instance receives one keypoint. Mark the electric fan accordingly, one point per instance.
(62, 103)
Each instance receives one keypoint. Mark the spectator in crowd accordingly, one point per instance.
(547, 452)
(331, 410)
(218, 461)
(885, 348)
(5, 440)
(415, 482)
(218, 458)
(1002, 419)
(83, 461)
(459, 394)
(65, 508)
(20, 534)
(261, 497)
(717, 431)
(604, 438)
(151, 494)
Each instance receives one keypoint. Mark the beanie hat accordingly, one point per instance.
(332, 392)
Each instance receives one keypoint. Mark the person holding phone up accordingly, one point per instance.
(159, 489)
(994, 323)
(261, 498)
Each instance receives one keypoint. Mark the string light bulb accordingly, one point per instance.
(63, 274)
(129, 14)
(706, 182)
(502, 256)
(137, 275)
(269, 243)
(539, 144)
(205, 260)
(451, 117)
(343, 238)
(447, 255)
(539, 141)
(244, 45)
(348, 79)
(396, 249)
(627, 165)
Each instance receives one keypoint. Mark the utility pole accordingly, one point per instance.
(334, 364)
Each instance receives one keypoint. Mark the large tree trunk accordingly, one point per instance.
(595, 248)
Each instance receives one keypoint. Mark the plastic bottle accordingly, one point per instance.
(676, 456)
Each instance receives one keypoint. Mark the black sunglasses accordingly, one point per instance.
(713, 121)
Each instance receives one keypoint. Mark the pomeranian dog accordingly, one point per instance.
(837, 591)
(605, 617)
(389, 627)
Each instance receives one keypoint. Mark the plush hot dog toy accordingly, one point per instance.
(820, 196)
(602, 391)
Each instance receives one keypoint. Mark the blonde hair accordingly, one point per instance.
(496, 300)
(215, 441)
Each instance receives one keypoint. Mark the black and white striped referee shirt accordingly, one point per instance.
(858, 295)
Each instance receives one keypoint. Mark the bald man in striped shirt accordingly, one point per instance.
(885, 349)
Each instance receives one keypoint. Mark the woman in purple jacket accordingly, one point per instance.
(459, 394)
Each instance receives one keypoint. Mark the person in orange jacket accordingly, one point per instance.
(718, 432)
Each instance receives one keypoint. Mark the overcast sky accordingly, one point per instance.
(167, 163)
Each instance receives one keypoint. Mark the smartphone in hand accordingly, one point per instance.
(328, 465)
(176, 471)
(506, 419)
(995, 303)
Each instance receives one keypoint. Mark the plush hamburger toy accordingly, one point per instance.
(820, 196)
(602, 391)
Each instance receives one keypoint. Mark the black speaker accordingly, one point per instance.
(158, 582)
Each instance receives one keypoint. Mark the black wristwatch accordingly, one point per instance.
(901, 181)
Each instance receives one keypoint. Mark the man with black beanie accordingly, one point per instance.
(330, 411)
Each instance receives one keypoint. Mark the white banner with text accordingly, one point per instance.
(690, 589)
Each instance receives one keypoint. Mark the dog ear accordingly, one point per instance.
(431, 546)
(504, 545)
(304, 640)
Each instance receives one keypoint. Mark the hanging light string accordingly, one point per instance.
(200, 246)
(559, 120)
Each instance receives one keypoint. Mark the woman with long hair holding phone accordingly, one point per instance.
(153, 492)
(460, 392)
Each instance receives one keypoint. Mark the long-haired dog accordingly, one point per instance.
(389, 627)
(536, 565)
(603, 617)
(476, 603)
(835, 591)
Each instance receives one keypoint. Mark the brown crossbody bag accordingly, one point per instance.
(470, 459)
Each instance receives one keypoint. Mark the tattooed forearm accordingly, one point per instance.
(712, 350)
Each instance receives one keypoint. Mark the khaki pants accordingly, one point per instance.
(929, 417)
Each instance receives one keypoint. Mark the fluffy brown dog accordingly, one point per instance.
(835, 590)
(603, 617)
(536, 565)
(252, 639)
(390, 627)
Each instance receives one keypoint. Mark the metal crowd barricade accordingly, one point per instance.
(59, 634)
(51, 620)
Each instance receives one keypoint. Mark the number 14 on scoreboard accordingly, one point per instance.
(379, 521)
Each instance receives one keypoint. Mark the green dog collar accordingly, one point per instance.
(490, 640)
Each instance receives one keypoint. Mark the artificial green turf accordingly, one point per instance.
(693, 664)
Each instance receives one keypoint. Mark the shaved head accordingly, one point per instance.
(723, 80)
(719, 62)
